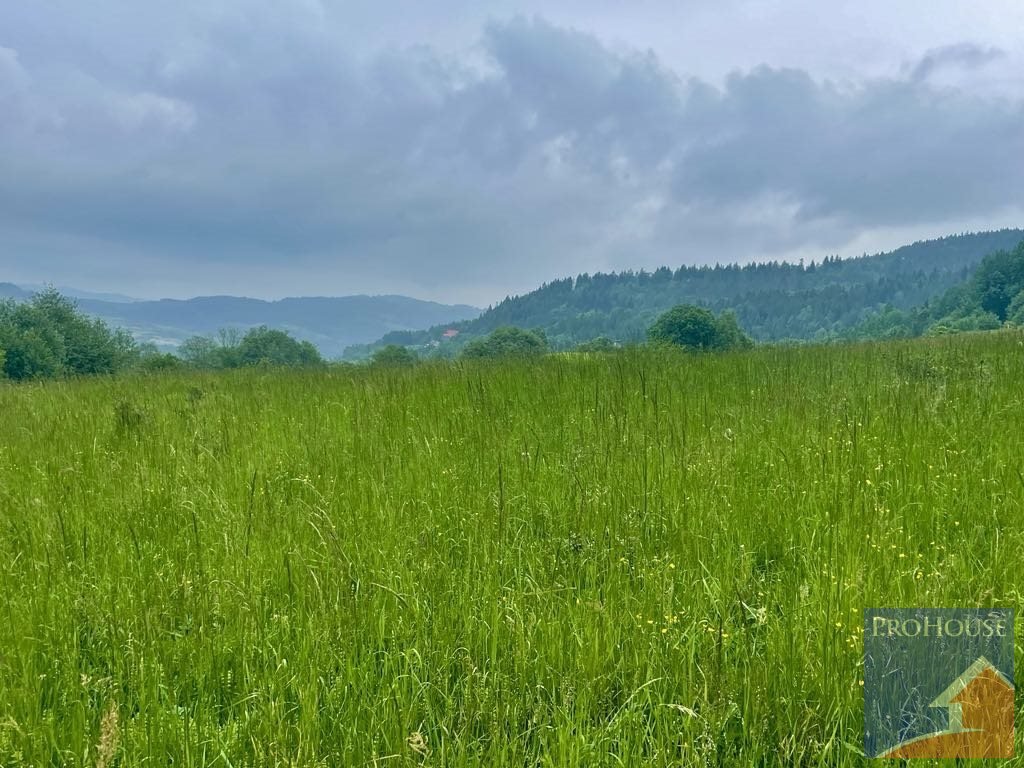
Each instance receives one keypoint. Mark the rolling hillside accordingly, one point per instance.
(773, 301)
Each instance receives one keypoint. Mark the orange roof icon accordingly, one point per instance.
(980, 704)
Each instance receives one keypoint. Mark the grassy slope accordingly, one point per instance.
(617, 560)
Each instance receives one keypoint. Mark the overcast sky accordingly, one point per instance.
(462, 150)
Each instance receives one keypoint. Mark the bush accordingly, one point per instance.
(600, 344)
(1015, 312)
(269, 346)
(158, 362)
(47, 336)
(393, 354)
(507, 342)
(33, 353)
(698, 329)
(202, 352)
(259, 346)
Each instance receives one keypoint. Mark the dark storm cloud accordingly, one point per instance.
(252, 139)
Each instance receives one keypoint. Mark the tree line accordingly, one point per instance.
(991, 298)
(687, 327)
(48, 337)
(772, 301)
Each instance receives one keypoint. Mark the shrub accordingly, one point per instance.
(47, 336)
(698, 329)
(159, 363)
(507, 342)
(259, 346)
(600, 344)
(393, 354)
(269, 346)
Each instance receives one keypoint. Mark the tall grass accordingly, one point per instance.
(631, 559)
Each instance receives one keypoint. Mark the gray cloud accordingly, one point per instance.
(962, 55)
(880, 153)
(245, 147)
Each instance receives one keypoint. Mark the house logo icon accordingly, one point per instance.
(938, 683)
(980, 707)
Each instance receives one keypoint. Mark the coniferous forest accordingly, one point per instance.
(776, 301)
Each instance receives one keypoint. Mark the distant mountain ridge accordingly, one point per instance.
(78, 293)
(12, 291)
(773, 301)
(331, 323)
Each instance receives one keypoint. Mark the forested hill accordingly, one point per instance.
(990, 299)
(772, 301)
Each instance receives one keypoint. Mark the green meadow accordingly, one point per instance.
(625, 559)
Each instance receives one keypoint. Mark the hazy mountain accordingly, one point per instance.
(330, 323)
(12, 291)
(78, 293)
(772, 301)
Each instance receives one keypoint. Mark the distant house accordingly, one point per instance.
(451, 333)
(980, 704)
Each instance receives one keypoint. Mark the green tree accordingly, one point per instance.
(393, 354)
(600, 344)
(696, 328)
(32, 353)
(270, 346)
(992, 296)
(90, 346)
(685, 326)
(259, 346)
(507, 341)
(202, 352)
(1015, 312)
(977, 321)
(152, 360)
(47, 336)
(730, 335)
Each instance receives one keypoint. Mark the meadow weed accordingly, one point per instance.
(637, 558)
